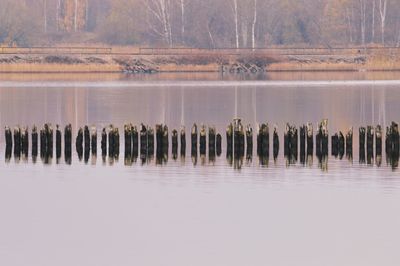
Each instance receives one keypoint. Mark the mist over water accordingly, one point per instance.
(210, 212)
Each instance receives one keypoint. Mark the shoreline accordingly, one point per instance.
(115, 69)
(251, 63)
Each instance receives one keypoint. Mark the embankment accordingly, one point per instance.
(201, 61)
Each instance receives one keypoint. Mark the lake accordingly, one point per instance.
(200, 211)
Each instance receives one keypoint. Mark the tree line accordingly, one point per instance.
(201, 23)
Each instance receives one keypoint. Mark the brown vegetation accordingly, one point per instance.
(201, 23)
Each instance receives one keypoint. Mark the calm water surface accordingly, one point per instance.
(210, 213)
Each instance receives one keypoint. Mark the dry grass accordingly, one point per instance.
(58, 68)
(189, 68)
(375, 63)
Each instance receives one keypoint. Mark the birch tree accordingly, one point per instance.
(45, 16)
(373, 21)
(382, 12)
(182, 5)
(253, 27)
(76, 16)
(363, 11)
(161, 11)
(236, 20)
(58, 12)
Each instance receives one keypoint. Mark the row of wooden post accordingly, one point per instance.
(239, 141)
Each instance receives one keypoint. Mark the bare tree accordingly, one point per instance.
(160, 9)
(58, 11)
(382, 11)
(182, 3)
(76, 16)
(45, 15)
(373, 21)
(253, 27)
(363, 11)
(86, 14)
(236, 19)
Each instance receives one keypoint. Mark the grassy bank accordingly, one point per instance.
(201, 62)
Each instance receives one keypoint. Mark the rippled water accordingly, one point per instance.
(208, 213)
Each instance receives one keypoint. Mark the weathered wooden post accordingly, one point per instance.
(263, 141)
(17, 142)
(370, 140)
(219, 144)
(128, 140)
(79, 143)
(294, 142)
(203, 139)
(150, 142)
(229, 139)
(49, 142)
(212, 138)
(165, 141)
(143, 142)
(286, 140)
(275, 140)
(341, 147)
(159, 138)
(8, 137)
(116, 142)
(58, 143)
(25, 142)
(104, 143)
(291, 143)
(135, 141)
(392, 145)
(34, 143)
(303, 130)
(378, 140)
(194, 136)
(362, 145)
(68, 144)
(249, 142)
(322, 138)
(238, 138)
(111, 143)
(174, 137)
(43, 143)
(310, 139)
(335, 145)
(86, 138)
(94, 140)
(349, 144)
(162, 144)
(183, 141)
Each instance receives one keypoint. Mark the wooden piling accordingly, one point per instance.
(378, 140)
(68, 144)
(79, 143)
(263, 141)
(34, 143)
(8, 137)
(212, 134)
(239, 138)
(249, 142)
(203, 139)
(183, 141)
(349, 144)
(310, 139)
(275, 140)
(174, 136)
(94, 140)
(58, 142)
